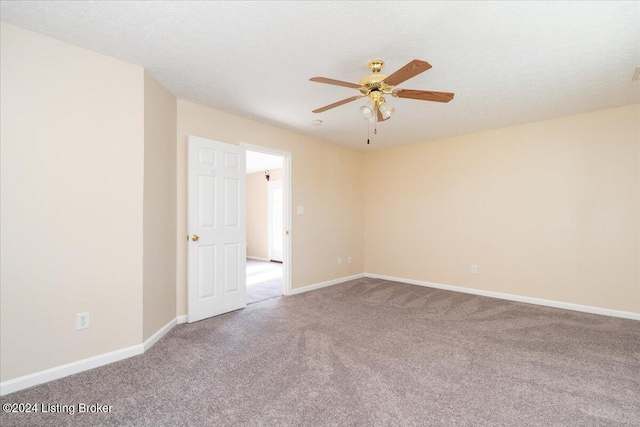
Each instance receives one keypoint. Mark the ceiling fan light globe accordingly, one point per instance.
(366, 111)
(385, 111)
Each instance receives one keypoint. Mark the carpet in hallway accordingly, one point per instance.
(264, 280)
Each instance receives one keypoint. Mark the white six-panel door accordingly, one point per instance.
(216, 225)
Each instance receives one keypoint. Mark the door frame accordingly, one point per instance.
(286, 191)
(270, 216)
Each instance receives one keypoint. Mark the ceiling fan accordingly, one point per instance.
(376, 85)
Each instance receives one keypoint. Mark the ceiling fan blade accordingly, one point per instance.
(423, 95)
(412, 69)
(337, 104)
(334, 82)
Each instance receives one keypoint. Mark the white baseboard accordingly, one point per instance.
(511, 297)
(160, 333)
(62, 371)
(255, 258)
(308, 288)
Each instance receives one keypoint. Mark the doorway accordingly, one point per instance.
(268, 223)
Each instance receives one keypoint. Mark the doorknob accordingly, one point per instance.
(195, 238)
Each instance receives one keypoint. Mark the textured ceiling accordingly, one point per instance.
(507, 62)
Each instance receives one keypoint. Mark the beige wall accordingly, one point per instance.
(257, 212)
(547, 210)
(71, 200)
(326, 179)
(159, 220)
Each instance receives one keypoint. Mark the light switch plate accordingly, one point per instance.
(300, 210)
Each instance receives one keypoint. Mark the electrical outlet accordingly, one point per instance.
(339, 261)
(82, 321)
(474, 269)
(349, 260)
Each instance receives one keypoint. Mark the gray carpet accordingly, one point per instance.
(368, 353)
(264, 280)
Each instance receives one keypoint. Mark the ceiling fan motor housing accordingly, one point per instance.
(369, 85)
(374, 83)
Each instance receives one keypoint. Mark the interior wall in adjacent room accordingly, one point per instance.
(258, 212)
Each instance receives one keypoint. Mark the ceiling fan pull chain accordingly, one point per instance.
(375, 128)
(368, 130)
